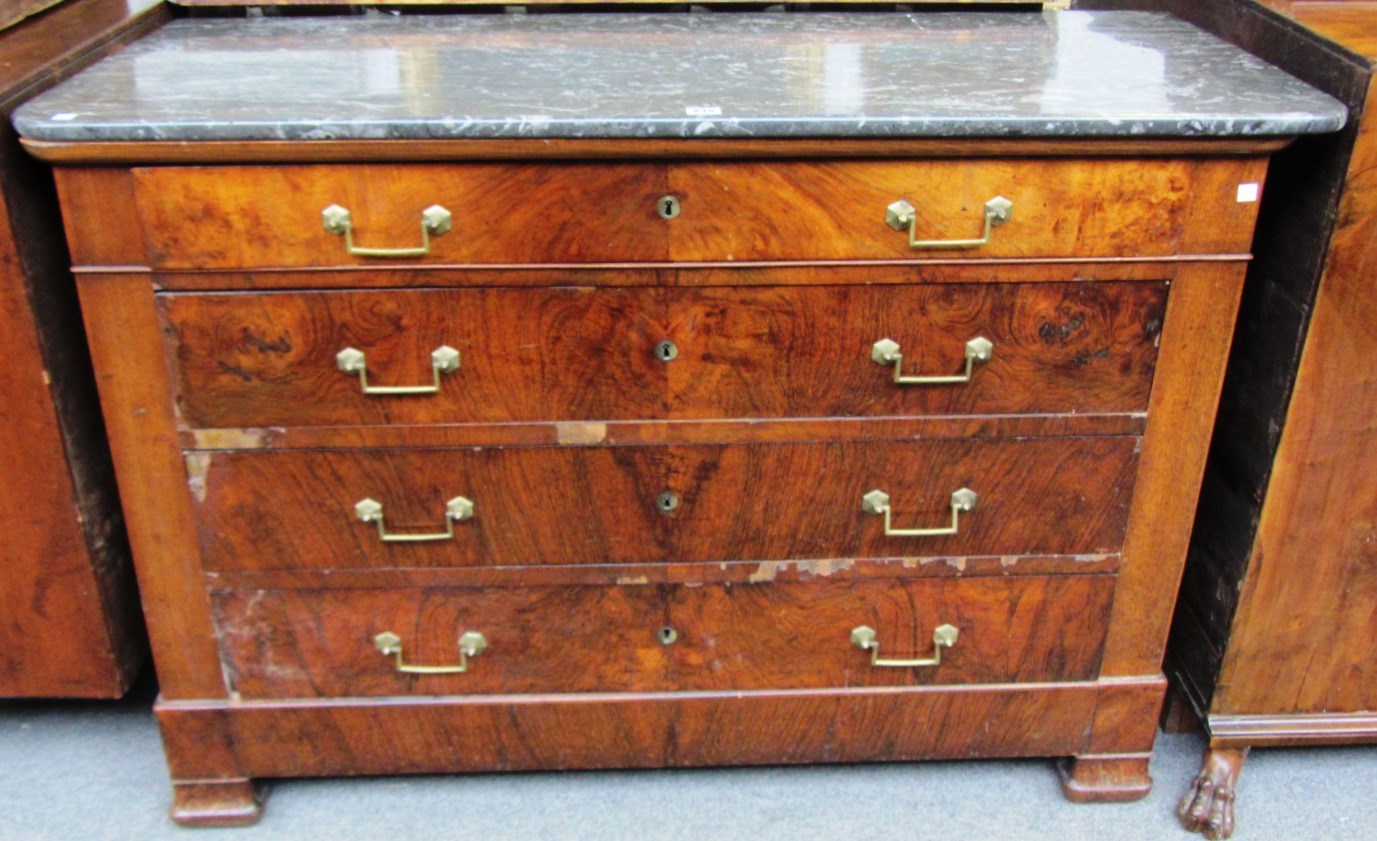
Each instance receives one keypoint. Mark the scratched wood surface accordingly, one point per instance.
(252, 360)
(309, 643)
(254, 216)
(580, 505)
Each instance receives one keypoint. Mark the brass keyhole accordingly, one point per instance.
(668, 207)
(667, 502)
(666, 351)
(667, 635)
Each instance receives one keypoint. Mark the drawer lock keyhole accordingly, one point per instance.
(667, 635)
(667, 502)
(666, 351)
(668, 207)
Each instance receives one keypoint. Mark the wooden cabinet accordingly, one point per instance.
(69, 619)
(1275, 637)
(657, 454)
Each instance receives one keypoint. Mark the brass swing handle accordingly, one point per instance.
(443, 360)
(471, 644)
(886, 352)
(877, 502)
(456, 510)
(943, 636)
(901, 215)
(435, 220)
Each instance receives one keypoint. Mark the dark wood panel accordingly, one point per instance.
(71, 624)
(308, 643)
(513, 733)
(269, 360)
(598, 505)
(707, 431)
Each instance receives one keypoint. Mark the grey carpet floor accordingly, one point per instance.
(89, 771)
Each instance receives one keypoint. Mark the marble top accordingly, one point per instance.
(702, 74)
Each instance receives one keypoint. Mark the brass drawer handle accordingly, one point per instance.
(902, 215)
(943, 636)
(877, 502)
(471, 644)
(443, 360)
(435, 220)
(886, 352)
(456, 510)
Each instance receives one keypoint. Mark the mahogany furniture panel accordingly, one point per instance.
(739, 211)
(264, 360)
(69, 622)
(1273, 640)
(664, 497)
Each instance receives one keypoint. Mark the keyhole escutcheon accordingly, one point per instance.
(668, 207)
(666, 351)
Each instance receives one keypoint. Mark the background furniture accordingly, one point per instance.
(69, 618)
(1275, 636)
(450, 451)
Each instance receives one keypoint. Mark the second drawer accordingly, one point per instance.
(661, 504)
(306, 643)
(276, 359)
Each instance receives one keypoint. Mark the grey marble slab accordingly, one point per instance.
(705, 74)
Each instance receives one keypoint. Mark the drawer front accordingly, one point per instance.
(308, 643)
(263, 360)
(297, 510)
(504, 213)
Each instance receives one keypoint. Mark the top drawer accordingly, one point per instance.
(542, 213)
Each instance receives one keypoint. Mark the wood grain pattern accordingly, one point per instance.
(319, 643)
(534, 506)
(1314, 558)
(778, 273)
(590, 213)
(69, 616)
(1185, 393)
(706, 431)
(552, 732)
(122, 325)
(268, 360)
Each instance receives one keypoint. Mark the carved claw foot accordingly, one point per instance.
(1208, 808)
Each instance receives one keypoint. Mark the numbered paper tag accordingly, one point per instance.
(1248, 192)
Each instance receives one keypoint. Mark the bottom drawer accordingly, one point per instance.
(322, 643)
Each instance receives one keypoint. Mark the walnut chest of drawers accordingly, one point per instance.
(484, 454)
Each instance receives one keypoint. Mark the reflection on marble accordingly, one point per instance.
(706, 74)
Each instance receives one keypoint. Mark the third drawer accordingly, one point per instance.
(653, 504)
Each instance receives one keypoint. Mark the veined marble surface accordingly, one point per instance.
(704, 74)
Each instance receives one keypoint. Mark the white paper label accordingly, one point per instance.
(1248, 192)
(703, 110)
(64, 117)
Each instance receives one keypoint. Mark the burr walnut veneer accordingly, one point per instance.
(498, 454)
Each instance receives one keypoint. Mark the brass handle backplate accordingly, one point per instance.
(943, 636)
(443, 360)
(887, 352)
(877, 502)
(456, 510)
(903, 216)
(435, 220)
(471, 644)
